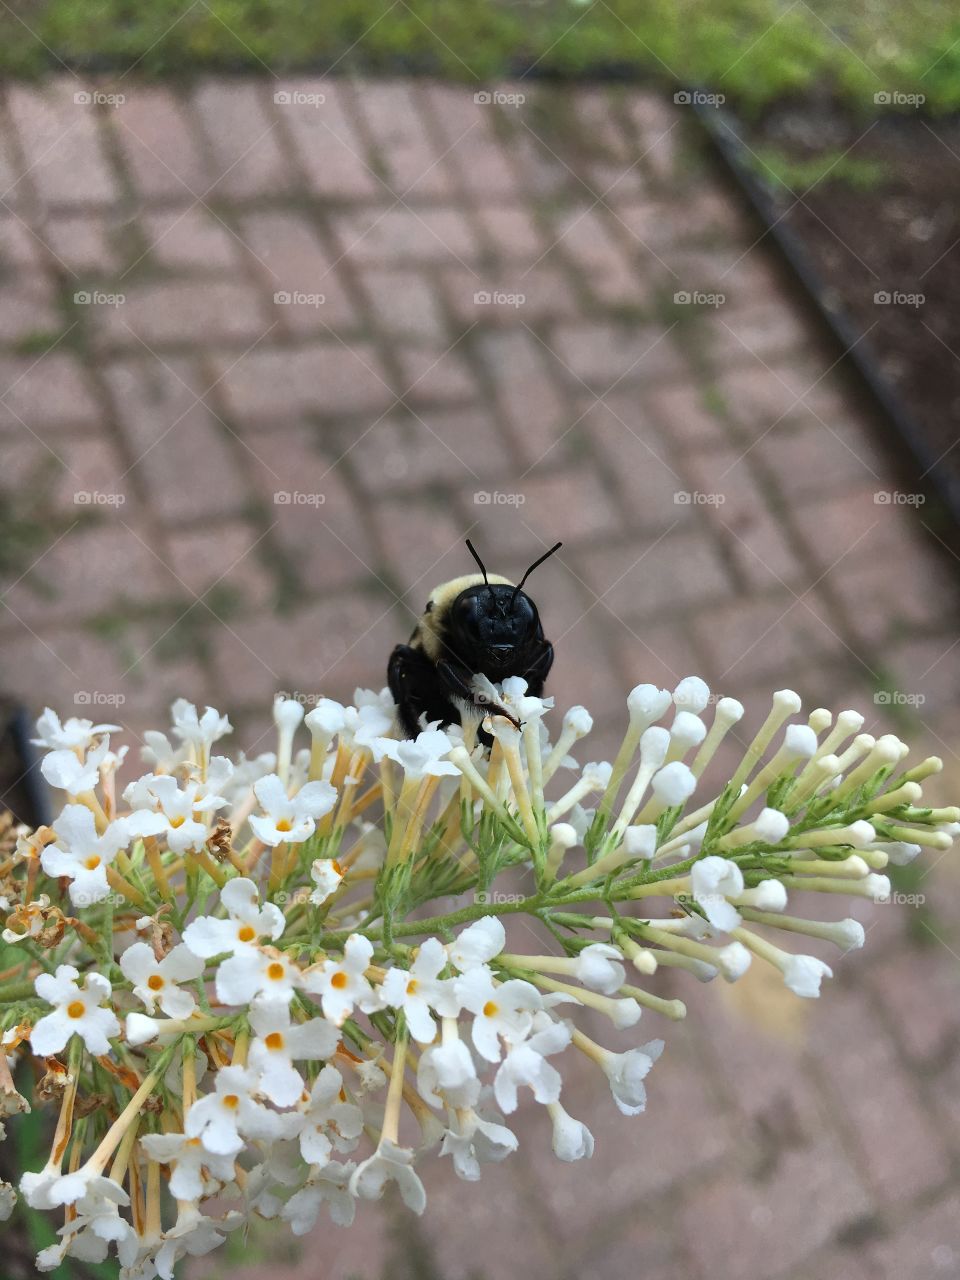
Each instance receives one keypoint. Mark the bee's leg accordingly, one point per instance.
(538, 670)
(457, 680)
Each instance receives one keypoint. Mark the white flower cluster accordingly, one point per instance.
(230, 957)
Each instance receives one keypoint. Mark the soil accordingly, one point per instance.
(882, 232)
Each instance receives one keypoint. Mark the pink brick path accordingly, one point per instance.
(588, 410)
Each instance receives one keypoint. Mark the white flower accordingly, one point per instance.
(194, 1234)
(691, 694)
(82, 855)
(326, 874)
(87, 1188)
(77, 1012)
(70, 735)
(422, 757)
(768, 895)
(899, 852)
(526, 1064)
(199, 731)
(626, 1073)
(191, 1160)
(715, 879)
(446, 1074)
(327, 718)
(139, 1029)
(155, 981)
(476, 1140)
(37, 1188)
(164, 807)
(476, 945)
(646, 704)
(389, 1163)
(64, 769)
(222, 1119)
(572, 1140)
(247, 924)
(329, 1121)
(159, 751)
(674, 783)
(328, 1185)
(255, 971)
(499, 1010)
(365, 724)
(341, 984)
(687, 731)
(598, 967)
(803, 975)
(8, 1201)
(289, 819)
(420, 990)
(279, 1042)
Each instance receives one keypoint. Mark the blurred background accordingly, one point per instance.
(274, 342)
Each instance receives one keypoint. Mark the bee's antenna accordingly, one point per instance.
(546, 556)
(483, 569)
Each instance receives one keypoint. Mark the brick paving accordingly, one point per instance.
(312, 344)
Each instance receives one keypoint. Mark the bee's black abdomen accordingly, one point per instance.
(416, 690)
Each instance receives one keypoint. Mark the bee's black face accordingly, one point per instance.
(492, 630)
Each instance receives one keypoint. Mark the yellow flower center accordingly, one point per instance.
(274, 1040)
(246, 933)
(155, 982)
(92, 862)
(178, 821)
(339, 980)
(232, 1101)
(336, 866)
(276, 971)
(284, 825)
(412, 987)
(76, 1009)
(490, 1010)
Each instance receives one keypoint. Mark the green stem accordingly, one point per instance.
(16, 991)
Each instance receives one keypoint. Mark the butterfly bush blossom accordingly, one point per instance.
(274, 986)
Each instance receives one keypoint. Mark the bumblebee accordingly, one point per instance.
(478, 624)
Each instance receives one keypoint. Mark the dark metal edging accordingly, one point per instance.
(718, 124)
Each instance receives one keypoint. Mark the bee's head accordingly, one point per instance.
(492, 621)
